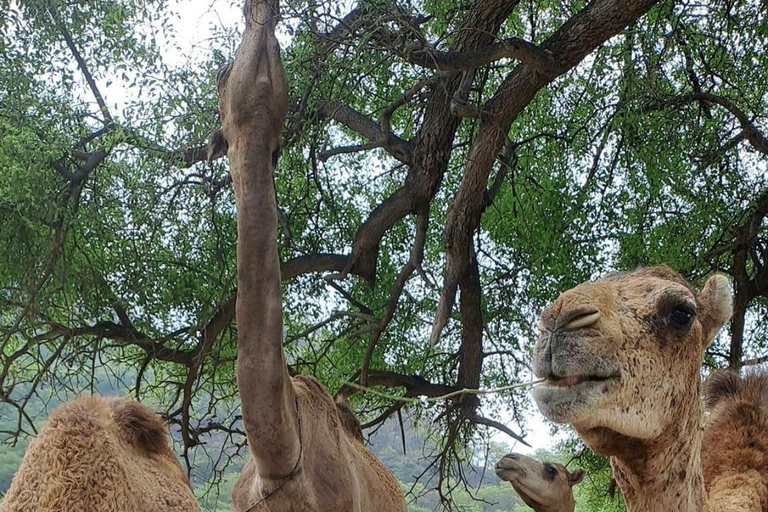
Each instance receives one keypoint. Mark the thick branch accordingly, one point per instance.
(471, 353)
(482, 420)
(413, 384)
(511, 48)
(755, 361)
(123, 334)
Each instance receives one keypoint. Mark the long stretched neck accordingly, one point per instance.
(253, 106)
(666, 474)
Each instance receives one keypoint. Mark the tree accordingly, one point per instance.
(498, 151)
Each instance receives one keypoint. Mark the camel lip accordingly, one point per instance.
(555, 381)
(505, 473)
(499, 467)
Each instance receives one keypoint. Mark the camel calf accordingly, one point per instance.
(543, 486)
(100, 455)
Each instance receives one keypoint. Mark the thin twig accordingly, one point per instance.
(468, 391)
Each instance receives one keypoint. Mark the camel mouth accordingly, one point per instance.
(567, 399)
(508, 473)
(573, 380)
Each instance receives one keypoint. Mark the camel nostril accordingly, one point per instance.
(579, 318)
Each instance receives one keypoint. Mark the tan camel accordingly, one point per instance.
(543, 486)
(621, 359)
(734, 452)
(100, 455)
(302, 456)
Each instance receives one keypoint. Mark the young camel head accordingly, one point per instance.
(543, 486)
(621, 355)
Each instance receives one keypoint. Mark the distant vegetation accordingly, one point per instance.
(485, 492)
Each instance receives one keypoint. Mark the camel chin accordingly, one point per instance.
(572, 403)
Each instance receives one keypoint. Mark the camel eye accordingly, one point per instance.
(550, 470)
(681, 317)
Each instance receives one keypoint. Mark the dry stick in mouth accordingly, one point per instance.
(442, 397)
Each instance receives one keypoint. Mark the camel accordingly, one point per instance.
(100, 455)
(303, 455)
(621, 359)
(734, 453)
(543, 486)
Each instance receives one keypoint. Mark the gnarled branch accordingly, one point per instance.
(511, 48)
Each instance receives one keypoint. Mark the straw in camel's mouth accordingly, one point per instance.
(573, 380)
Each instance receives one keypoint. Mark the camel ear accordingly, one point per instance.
(722, 384)
(143, 428)
(217, 146)
(575, 477)
(717, 306)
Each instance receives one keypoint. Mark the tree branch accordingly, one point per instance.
(82, 65)
(413, 384)
(512, 48)
(482, 420)
(578, 37)
(750, 131)
(117, 332)
(359, 123)
(432, 145)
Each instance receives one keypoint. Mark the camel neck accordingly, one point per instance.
(665, 475)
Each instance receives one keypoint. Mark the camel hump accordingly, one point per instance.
(729, 385)
(143, 428)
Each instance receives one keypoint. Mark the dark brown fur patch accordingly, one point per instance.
(724, 384)
(349, 421)
(141, 426)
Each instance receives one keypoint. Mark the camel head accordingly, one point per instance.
(621, 355)
(543, 486)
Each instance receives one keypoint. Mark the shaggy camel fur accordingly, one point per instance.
(543, 486)
(302, 456)
(621, 359)
(100, 455)
(734, 451)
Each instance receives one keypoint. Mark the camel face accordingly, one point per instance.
(622, 354)
(545, 487)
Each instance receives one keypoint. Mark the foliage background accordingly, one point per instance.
(117, 238)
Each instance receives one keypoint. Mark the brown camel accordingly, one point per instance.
(100, 455)
(621, 359)
(734, 452)
(302, 456)
(543, 486)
